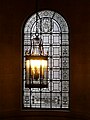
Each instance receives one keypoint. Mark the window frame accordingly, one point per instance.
(61, 65)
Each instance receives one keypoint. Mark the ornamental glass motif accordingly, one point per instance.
(53, 30)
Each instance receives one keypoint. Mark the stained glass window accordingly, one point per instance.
(53, 30)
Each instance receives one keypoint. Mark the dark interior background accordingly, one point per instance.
(12, 16)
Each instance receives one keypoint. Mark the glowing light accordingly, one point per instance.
(36, 64)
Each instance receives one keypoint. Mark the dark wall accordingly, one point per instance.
(12, 16)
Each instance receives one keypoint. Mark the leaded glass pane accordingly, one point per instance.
(46, 39)
(56, 39)
(29, 24)
(46, 13)
(26, 98)
(45, 100)
(53, 30)
(46, 27)
(56, 73)
(65, 74)
(56, 50)
(65, 62)
(65, 100)
(65, 50)
(35, 100)
(56, 62)
(56, 100)
(55, 27)
(65, 86)
(56, 86)
(62, 22)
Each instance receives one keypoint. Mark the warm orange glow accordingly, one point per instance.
(37, 68)
(35, 64)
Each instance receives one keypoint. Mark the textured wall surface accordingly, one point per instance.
(12, 16)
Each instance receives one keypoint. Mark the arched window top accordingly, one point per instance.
(46, 14)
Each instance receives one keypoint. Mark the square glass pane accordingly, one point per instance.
(65, 86)
(65, 51)
(56, 100)
(35, 100)
(65, 74)
(46, 39)
(56, 51)
(56, 74)
(64, 36)
(56, 85)
(56, 62)
(56, 38)
(65, 100)
(45, 100)
(65, 62)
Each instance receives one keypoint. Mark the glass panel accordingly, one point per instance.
(56, 86)
(46, 48)
(65, 100)
(46, 13)
(33, 29)
(62, 22)
(45, 100)
(46, 27)
(65, 51)
(55, 27)
(56, 39)
(46, 39)
(26, 98)
(64, 37)
(56, 51)
(65, 62)
(65, 86)
(56, 74)
(65, 74)
(29, 24)
(55, 62)
(56, 100)
(35, 100)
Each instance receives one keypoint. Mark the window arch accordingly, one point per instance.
(53, 30)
